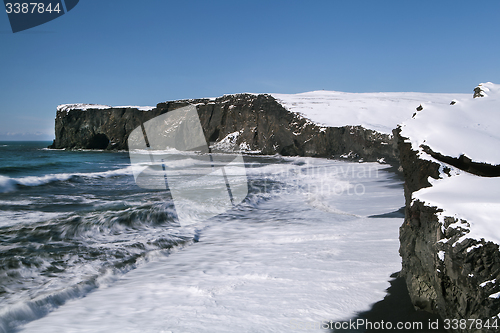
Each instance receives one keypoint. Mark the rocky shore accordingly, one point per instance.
(449, 247)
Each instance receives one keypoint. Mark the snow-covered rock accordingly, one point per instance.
(250, 123)
(85, 107)
(450, 238)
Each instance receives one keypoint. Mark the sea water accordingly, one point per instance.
(84, 249)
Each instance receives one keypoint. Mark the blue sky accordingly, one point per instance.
(120, 52)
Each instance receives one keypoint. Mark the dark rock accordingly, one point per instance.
(466, 164)
(263, 123)
(478, 92)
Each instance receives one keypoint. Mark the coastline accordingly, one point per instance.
(396, 307)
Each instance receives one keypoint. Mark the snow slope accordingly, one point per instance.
(472, 127)
(377, 111)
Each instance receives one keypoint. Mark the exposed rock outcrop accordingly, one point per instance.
(446, 271)
(244, 122)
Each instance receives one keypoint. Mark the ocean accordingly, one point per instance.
(84, 249)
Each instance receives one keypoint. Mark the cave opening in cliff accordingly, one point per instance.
(98, 141)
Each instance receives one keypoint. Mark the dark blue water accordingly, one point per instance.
(69, 219)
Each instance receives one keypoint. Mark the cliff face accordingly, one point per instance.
(448, 269)
(452, 287)
(245, 122)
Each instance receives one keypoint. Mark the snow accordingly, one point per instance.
(470, 127)
(377, 111)
(495, 295)
(85, 107)
(140, 108)
(228, 143)
(81, 106)
(469, 197)
(474, 247)
(482, 285)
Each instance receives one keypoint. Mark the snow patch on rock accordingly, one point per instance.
(85, 107)
(228, 143)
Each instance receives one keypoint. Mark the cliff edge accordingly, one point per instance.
(250, 123)
(449, 239)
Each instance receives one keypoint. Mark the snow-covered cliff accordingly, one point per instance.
(446, 145)
(449, 241)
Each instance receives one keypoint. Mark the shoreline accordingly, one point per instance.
(395, 307)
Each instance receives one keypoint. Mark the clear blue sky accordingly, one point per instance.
(120, 52)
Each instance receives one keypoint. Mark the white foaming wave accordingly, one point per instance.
(8, 219)
(318, 202)
(8, 184)
(78, 282)
(166, 151)
(15, 203)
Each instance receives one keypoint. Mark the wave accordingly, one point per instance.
(58, 149)
(26, 310)
(8, 184)
(78, 254)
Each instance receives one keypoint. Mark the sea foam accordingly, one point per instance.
(8, 184)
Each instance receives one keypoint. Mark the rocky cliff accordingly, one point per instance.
(449, 287)
(245, 122)
(450, 264)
